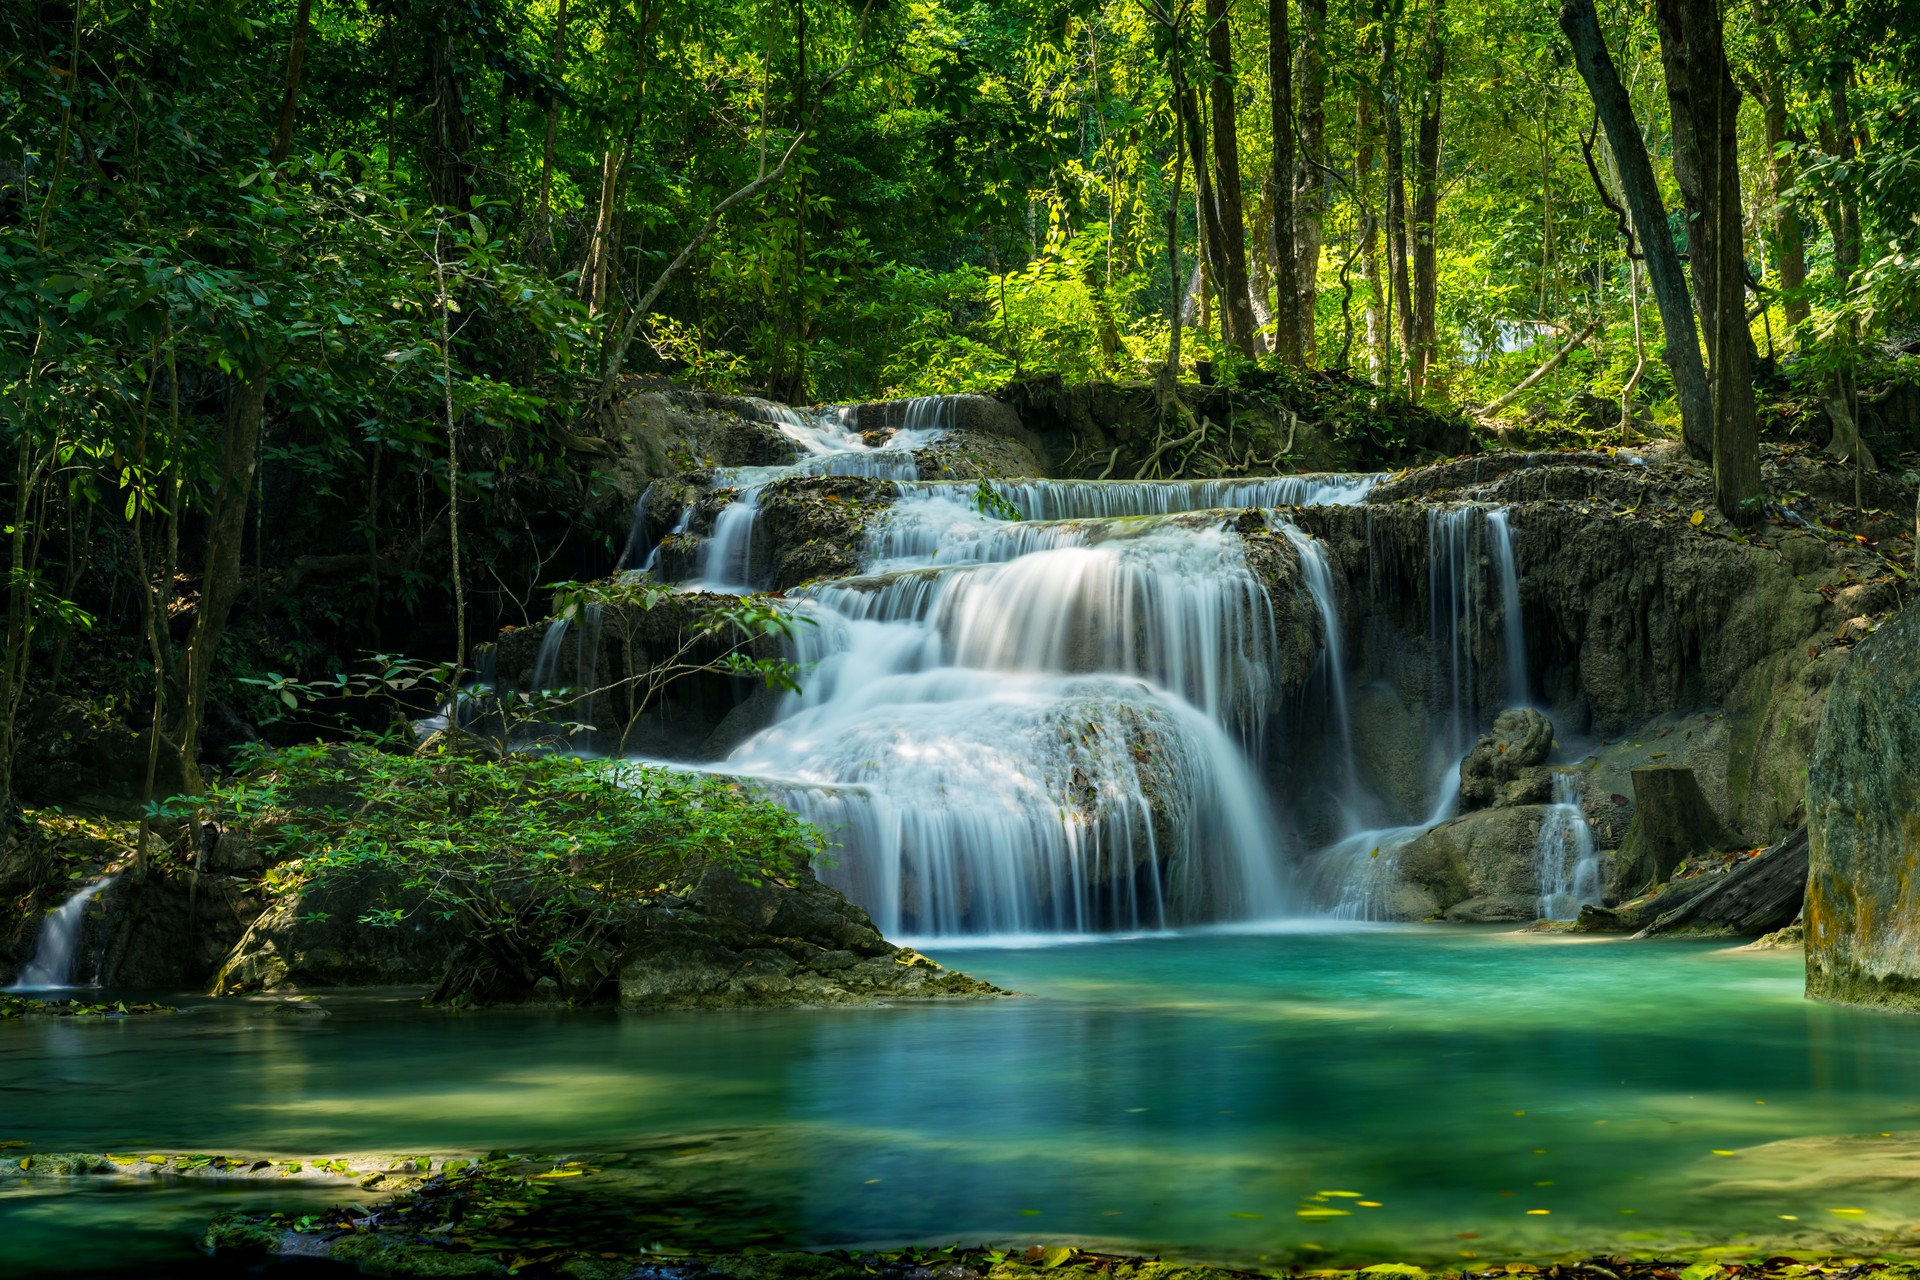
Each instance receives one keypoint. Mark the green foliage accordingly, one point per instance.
(536, 861)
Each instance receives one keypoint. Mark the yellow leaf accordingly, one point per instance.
(1698, 518)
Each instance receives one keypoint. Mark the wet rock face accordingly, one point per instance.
(1504, 766)
(729, 943)
(1863, 814)
(1480, 867)
(721, 942)
(816, 526)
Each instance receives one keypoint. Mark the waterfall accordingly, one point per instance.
(1564, 858)
(1471, 569)
(1051, 723)
(1081, 499)
(828, 444)
(1461, 542)
(1513, 632)
(57, 947)
(639, 549)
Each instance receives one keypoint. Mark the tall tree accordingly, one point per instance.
(1426, 201)
(1705, 108)
(1310, 175)
(1388, 13)
(1236, 311)
(1789, 233)
(1287, 342)
(1582, 28)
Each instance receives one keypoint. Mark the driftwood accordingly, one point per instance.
(1758, 896)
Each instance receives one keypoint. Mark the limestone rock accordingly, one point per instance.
(1481, 866)
(1503, 767)
(1863, 815)
(721, 941)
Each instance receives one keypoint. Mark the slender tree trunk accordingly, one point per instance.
(795, 384)
(1212, 236)
(1705, 106)
(1843, 218)
(1637, 183)
(1426, 202)
(1282, 250)
(1176, 291)
(1379, 331)
(450, 143)
(1789, 233)
(1310, 175)
(1396, 146)
(543, 230)
(290, 94)
(598, 270)
(220, 579)
(1236, 310)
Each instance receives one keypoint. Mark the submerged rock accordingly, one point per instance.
(1863, 815)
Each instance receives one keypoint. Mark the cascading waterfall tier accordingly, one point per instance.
(1564, 857)
(56, 952)
(1473, 600)
(1048, 723)
(828, 445)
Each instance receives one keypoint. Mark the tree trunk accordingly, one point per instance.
(449, 148)
(220, 578)
(1379, 332)
(1396, 182)
(1426, 202)
(1843, 218)
(1236, 309)
(1283, 252)
(543, 229)
(1649, 214)
(1705, 107)
(1789, 233)
(290, 94)
(1757, 896)
(1212, 256)
(1672, 822)
(1177, 294)
(1310, 175)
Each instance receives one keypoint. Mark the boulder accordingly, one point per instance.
(1863, 818)
(1504, 766)
(720, 941)
(1479, 867)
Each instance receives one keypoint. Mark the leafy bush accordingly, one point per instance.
(537, 861)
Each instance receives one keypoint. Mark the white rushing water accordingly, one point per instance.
(1564, 856)
(1052, 724)
(1473, 593)
(56, 952)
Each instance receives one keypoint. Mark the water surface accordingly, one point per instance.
(1204, 1095)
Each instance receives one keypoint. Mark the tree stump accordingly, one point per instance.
(1671, 822)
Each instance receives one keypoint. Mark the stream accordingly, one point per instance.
(1198, 1093)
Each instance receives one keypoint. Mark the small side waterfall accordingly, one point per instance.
(1568, 867)
(57, 948)
(828, 444)
(1461, 539)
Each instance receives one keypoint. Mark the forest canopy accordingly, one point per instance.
(376, 263)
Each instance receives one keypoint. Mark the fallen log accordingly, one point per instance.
(1758, 896)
